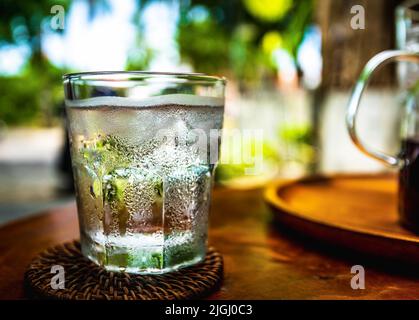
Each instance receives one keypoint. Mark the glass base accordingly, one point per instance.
(143, 254)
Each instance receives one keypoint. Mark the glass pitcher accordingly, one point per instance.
(408, 159)
(408, 73)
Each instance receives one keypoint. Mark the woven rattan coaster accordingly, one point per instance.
(86, 280)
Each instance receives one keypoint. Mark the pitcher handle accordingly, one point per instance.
(377, 61)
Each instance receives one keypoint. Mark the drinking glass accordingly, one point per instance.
(144, 147)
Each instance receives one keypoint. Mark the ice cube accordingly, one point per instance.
(133, 200)
(186, 196)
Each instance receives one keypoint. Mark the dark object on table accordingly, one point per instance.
(409, 185)
(64, 162)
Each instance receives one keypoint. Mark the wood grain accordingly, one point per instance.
(260, 261)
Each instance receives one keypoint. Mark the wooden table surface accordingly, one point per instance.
(261, 260)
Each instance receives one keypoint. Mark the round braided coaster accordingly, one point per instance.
(85, 280)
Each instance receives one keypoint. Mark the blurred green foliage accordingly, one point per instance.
(227, 169)
(296, 134)
(33, 97)
(140, 56)
(22, 21)
(299, 141)
(235, 38)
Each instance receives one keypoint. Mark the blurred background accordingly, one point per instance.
(290, 65)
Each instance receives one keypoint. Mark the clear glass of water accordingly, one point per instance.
(144, 147)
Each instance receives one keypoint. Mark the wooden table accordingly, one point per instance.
(261, 260)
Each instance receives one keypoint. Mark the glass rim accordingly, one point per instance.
(138, 75)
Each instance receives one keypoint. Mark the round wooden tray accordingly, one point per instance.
(358, 212)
